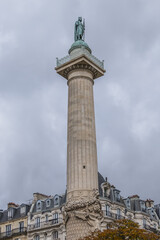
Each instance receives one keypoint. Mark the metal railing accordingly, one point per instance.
(14, 232)
(113, 215)
(63, 60)
(151, 229)
(45, 224)
(82, 52)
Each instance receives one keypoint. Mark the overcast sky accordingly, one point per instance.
(33, 98)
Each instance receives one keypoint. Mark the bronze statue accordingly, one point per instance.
(79, 30)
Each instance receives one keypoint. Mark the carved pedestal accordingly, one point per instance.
(83, 216)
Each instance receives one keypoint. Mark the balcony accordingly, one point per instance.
(53, 222)
(75, 55)
(113, 215)
(151, 229)
(13, 233)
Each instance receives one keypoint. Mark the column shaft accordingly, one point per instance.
(82, 170)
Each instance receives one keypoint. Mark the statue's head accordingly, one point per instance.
(80, 19)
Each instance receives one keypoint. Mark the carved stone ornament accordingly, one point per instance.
(80, 66)
(88, 210)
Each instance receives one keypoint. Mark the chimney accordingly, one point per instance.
(134, 197)
(149, 203)
(38, 196)
(12, 205)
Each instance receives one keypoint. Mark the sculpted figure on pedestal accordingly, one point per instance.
(79, 30)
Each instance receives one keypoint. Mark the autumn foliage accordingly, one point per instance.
(123, 229)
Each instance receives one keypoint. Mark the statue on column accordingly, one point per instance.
(79, 30)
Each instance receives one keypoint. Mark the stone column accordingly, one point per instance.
(82, 210)
(81, 143)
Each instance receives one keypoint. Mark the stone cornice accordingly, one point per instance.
(81, 62)
(80, 66)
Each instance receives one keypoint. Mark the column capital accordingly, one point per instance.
(81, 62)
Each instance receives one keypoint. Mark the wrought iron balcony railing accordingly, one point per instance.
(113, 215)
(14, 232)
(53, 222)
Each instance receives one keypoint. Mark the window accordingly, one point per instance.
(10, 213)
(38, 205)
(21, 226)
(144, 222)
(128, 203)
(152, 213)
(117, 196)
(56, 200)
(105, 192)
(23, 210)
(55, 235)
(108, 210)
(48, 203)
(37, 223)
(143, 207)
(46, 218)
(45, 236)
(37, 237)
(8, 229)
(118, 213)
(55, 218)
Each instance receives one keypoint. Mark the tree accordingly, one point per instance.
(123, 230)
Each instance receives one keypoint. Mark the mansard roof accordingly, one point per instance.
(16, 213)
(45, 208)
(157, 209)
(100, 181)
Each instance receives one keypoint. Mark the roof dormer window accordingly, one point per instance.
(10, 213)
(56, 200)
(39, 205)
(143, 206)
(117, 195)
(128, 203)
(23, 210)
(48, 203)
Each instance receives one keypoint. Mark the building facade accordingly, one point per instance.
(114, 206)
(14, 222)
(45, 218)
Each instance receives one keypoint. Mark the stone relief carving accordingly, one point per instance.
(88, 210)
(80, 66)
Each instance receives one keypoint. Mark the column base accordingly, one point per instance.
(83, 216)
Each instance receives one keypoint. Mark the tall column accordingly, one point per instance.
(81, 68)
(81, 143)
